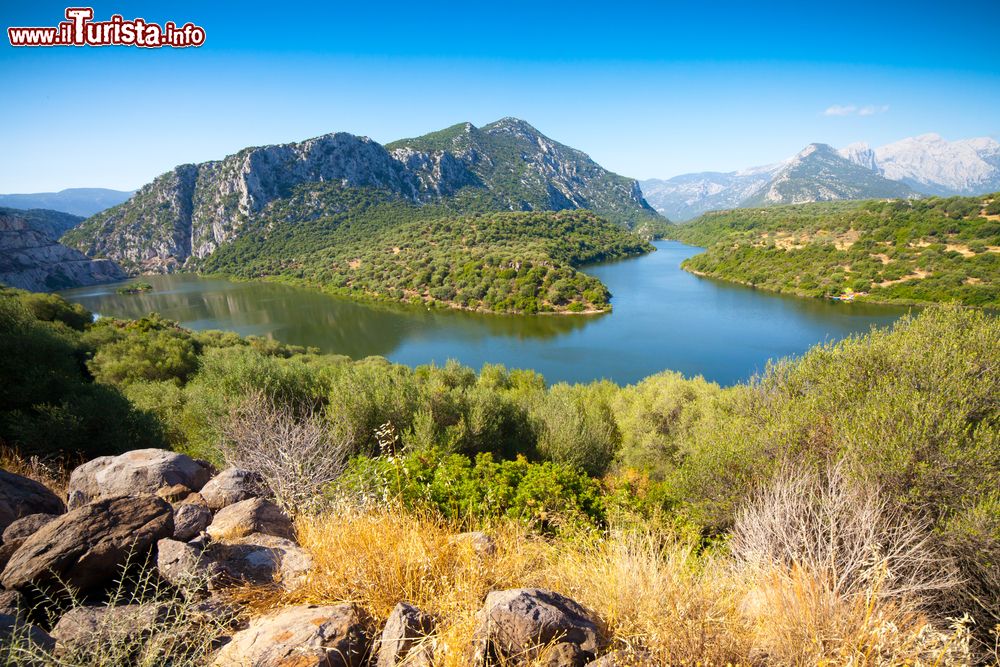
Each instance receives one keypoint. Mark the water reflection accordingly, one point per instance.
(664, 318)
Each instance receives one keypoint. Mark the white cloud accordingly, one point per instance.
(871, 110)
(852, 110)
(840, 110)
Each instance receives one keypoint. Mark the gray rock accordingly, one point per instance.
(20, 496)
(481, 543)
(405, 638)
(190, 520)
(26, 526)
(30, 260)
(86, 547)
(136, 472)
(12, 627)
(260, 560)
(233, 485)
(86, 627)
(247, 517)
(12, 604)
(514, 624)
(303, 636)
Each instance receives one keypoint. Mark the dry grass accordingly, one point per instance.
(54, 475)
(654, 596)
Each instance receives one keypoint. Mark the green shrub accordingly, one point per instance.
(547, 496)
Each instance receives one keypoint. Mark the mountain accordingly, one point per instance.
(527, 171)
(926, 164)
(689, 195)
(188, 213)
(52, 224)
(78, 201)
(933, 165)
(30, 258)
(820, 173)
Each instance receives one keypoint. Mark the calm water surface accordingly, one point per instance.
(663, 318)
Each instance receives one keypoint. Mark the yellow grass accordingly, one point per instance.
(654, 596)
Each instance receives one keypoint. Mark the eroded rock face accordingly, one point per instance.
(404, 638)
(31, 260)
(86, 547)
(245, 518)
(232, 485)
(20, 497)
(136, 472)
(302, 636)
(513, 624)
(261, 560)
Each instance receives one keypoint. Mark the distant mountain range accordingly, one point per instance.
(191, 211)
(77, 201)
(924, 165)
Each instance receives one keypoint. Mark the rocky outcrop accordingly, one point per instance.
(245, 518)
(21, 497)
(480, 543)
(304, 636)
(30, 259)
(232, 485)
(515, 625)
(135, 472)
(86, 547)
(405, 638)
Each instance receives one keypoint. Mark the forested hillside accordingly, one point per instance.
(364, 242)
(900, 251)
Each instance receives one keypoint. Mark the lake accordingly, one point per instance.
(663, 318)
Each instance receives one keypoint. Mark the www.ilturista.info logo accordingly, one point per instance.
(79, 29)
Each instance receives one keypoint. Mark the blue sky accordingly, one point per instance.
(647, 89)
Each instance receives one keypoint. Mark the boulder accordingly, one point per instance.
(514, 625)
(563, 654)
(303, 636)
(26, 526)
(12, 627)
(261, 560)
(7, 551)
(247, 517)
(85, 627)
(86, 547)
(481, 543)
(12, 604)
(190, 520)
(20, 496)
(173, 494)
(233, 485)
(404, 639)
(133, 473)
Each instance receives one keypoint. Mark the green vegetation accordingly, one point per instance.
(135, 288)
(911, 411)
(928, 250)
(367, 243)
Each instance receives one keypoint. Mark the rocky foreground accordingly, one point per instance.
(204, 535)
